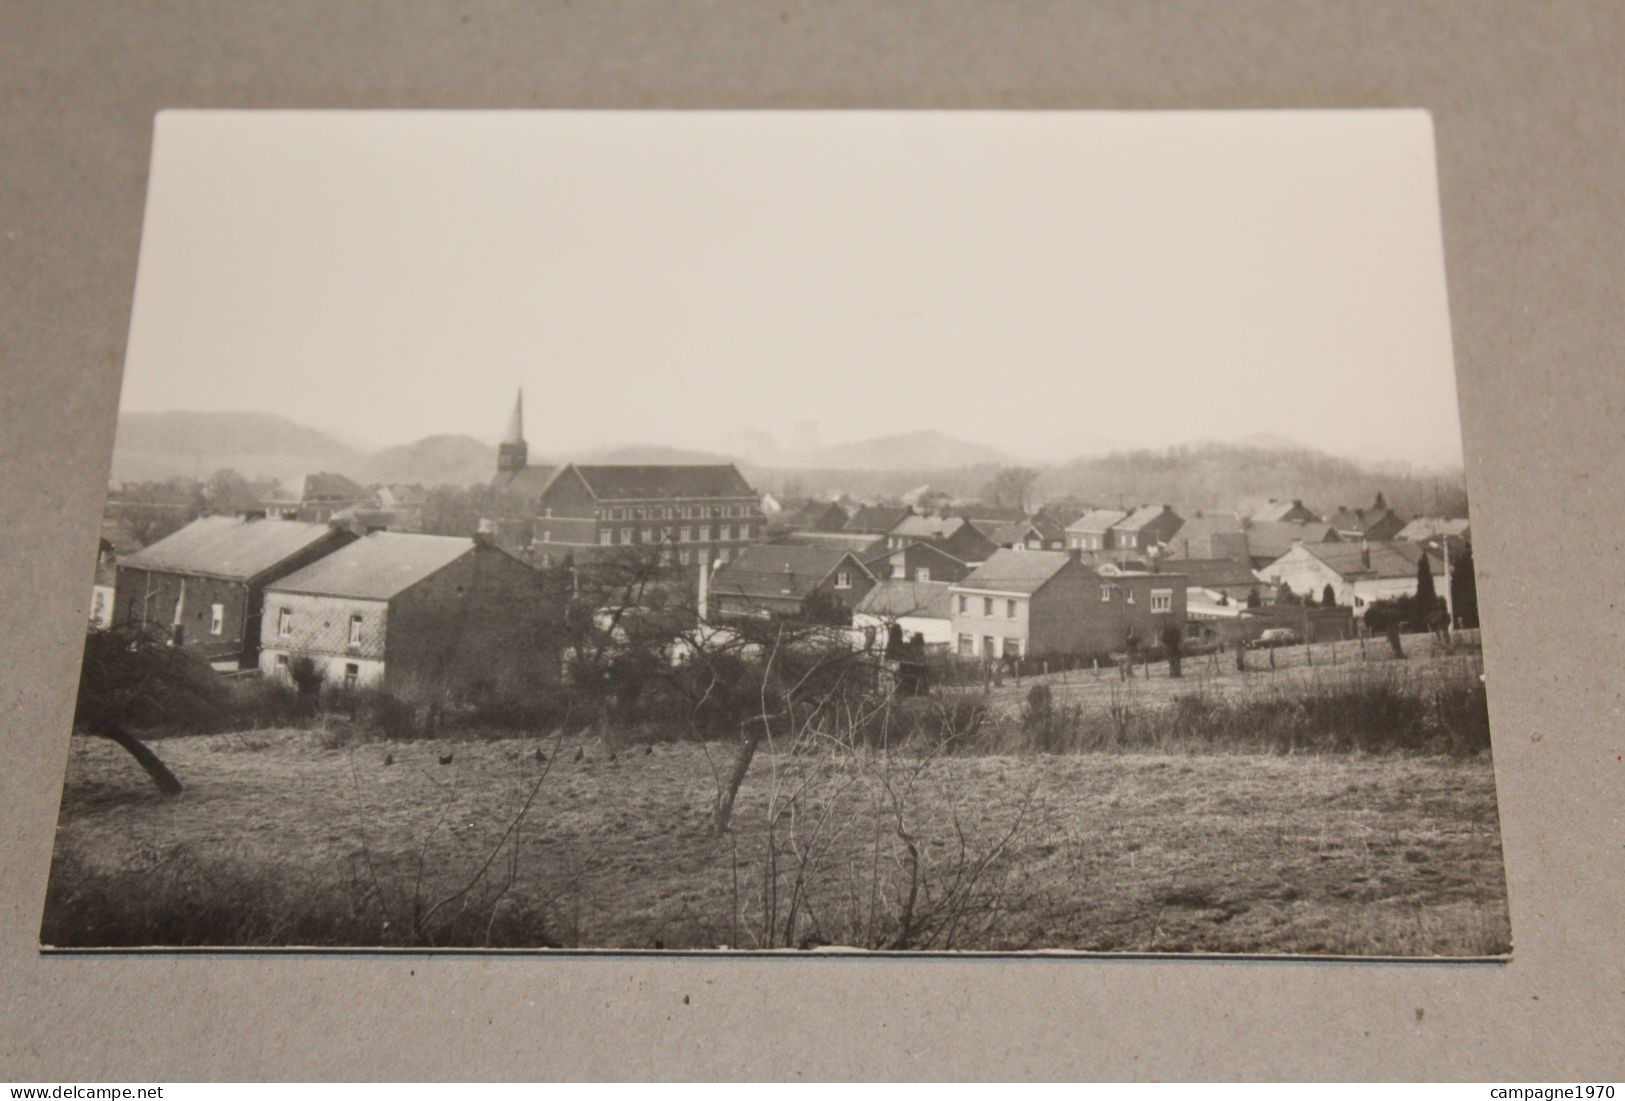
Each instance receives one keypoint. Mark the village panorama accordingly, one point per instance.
(785, 532)
(722, 704)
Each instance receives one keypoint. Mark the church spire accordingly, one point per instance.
(513, 453)
(516, 422)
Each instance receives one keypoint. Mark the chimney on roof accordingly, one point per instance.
(789, 578)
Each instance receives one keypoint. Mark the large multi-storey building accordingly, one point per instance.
(686, 514)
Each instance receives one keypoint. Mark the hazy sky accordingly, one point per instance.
(1038, 282)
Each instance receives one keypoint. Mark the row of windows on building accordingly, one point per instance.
(684, 556)
(1162, 600)
(989, 607)
(992, 647)
(217, 617)
(715, 533)
(284, 626)
(668, 512)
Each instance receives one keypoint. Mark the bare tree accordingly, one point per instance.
(1012, 486)
(131, 679)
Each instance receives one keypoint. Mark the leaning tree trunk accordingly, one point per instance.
(145, 757)
(736, 776)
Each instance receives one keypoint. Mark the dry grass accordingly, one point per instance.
(288, 837)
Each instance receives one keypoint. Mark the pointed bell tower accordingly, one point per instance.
(512, 452)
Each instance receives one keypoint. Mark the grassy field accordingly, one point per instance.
(287, 837)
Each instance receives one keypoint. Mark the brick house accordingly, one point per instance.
(688, 515)
(409, 612)
(1033, 603)
(954, 535)
(1093, 530)
(1145, 528)
(779, 580)
(204, 585)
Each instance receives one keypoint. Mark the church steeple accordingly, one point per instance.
(513, 453)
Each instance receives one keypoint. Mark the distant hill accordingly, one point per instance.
(633, 454)
(924, 450)
(1239, 476)
(1232, 476)
(154, 446)
(433, 460)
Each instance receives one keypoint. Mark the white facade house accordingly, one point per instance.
(1359, 574)
(917, 607)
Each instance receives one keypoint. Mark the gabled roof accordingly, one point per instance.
(228, 547)
(878, 519)
(1274, 510)
(1212, 573)
(1142, 516)
(881, 554)
(1013, 571)
(780, 571)
(1047, 527)
(1007, 533)
(1388, 561)
(1096, 519)
(377, 567)
(323, 486)
(896, 598)
(527, 481)
(814, 511)
(656, 481)
(1359, 519)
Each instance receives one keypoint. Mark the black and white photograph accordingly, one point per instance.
(786, 531)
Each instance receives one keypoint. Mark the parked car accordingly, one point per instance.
(1276, 636)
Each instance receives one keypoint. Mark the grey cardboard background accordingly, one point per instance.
(1529, 110)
